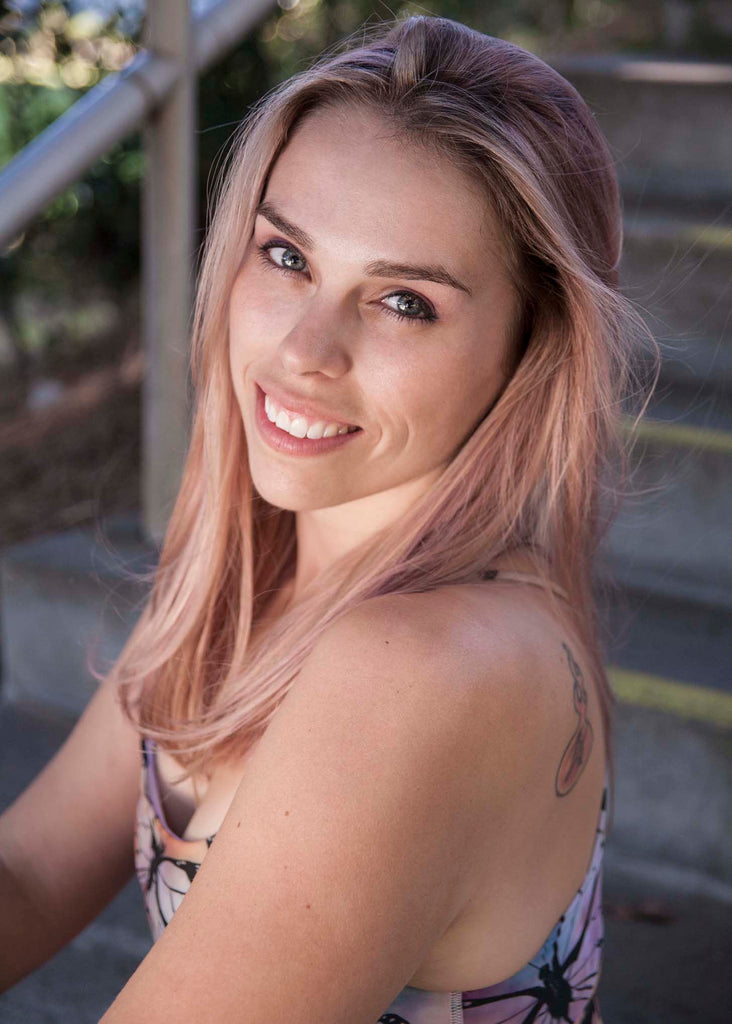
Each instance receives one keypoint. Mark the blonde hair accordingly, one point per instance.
(544, 469)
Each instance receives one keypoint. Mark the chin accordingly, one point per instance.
(284, 490)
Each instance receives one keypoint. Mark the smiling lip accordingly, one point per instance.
(281, 441)
(298, 408)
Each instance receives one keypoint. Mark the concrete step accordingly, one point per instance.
(674, 801)
(695, 384)
(677, 269)
(665, 624)
(65, 600)
(662, 119)
(674, 523)
(667, 937)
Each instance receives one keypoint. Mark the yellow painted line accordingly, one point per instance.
(682, 435)
(711, 235)
(698, 702)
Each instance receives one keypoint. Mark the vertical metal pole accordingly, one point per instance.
(168, 219)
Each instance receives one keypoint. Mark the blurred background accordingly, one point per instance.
(107, 155)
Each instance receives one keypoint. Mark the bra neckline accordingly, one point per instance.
(152, 783)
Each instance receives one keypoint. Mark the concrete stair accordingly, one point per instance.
(664, 120)
(68, 602)
(695, 388)
(677, 267)
(674, 527)
(670, 551)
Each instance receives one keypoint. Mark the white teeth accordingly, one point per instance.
(299, 426)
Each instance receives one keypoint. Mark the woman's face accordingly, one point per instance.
(315, 318)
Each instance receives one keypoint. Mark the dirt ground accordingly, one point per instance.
(74, 460)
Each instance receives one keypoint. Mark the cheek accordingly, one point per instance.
(420, 410)
(245, 320)
(459, 394)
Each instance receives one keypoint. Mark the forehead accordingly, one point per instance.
(346, 176)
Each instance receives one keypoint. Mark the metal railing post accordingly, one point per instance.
(168, 247)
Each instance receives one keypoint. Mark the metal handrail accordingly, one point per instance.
(118, 105)
(60, 155)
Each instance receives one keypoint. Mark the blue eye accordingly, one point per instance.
(263, 251)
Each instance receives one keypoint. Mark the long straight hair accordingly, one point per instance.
(545, 469)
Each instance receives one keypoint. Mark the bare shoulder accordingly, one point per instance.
(431, 644)
(450, 715)
(493, 669)
(493, 666)
(548, 671)
(451, 627)
(491, 661)
(467, 639)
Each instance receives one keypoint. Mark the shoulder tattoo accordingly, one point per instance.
(577, 751)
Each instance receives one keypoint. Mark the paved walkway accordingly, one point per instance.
(668, 934)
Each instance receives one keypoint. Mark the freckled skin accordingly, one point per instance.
(416, 389)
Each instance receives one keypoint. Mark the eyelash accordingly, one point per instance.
(263, 250)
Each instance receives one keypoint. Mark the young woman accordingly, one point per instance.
(368, 687)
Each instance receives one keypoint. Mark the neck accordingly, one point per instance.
(325, 535)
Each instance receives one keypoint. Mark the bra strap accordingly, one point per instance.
(526, 577)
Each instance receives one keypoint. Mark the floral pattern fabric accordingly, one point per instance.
(558, 984)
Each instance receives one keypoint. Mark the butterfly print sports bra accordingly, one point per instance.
(559, 983)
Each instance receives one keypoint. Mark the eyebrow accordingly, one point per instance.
(377, 268)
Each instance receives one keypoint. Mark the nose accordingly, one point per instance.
(316, 345)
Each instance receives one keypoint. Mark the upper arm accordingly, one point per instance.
(68, 838)
(348, 848)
